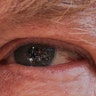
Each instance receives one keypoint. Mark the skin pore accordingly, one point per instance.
(75, 79)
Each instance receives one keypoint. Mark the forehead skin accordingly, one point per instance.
(78, 28)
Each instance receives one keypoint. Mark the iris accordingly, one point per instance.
(34, 55)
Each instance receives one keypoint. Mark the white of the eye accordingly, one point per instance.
(62, 57)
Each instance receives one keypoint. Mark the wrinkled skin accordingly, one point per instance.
(77, 79)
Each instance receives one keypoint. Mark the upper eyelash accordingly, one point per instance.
(60, 44)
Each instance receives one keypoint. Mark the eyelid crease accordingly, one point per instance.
(12, 45)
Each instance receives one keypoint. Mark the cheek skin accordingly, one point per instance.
(17, 80)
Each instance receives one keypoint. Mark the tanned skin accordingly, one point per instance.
(76, 79)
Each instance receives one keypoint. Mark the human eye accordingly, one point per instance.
(40, 52)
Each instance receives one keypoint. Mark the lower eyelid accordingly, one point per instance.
(26, 70)
(46, 73)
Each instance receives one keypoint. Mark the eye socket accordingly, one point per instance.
(43, 52)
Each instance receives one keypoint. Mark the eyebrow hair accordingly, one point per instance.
(23, 10)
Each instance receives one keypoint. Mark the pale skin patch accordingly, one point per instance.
(73, 80)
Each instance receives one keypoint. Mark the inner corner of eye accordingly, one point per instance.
(3, 62)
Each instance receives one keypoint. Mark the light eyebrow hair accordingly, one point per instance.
(26, 9)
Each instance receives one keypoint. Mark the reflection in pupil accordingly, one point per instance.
(34, 55)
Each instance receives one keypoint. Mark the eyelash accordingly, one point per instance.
(55, 43)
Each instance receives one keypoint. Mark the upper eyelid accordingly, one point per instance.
(16, 42)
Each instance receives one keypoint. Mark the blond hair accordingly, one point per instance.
(42, 8)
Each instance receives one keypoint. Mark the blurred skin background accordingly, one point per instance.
(53, 21)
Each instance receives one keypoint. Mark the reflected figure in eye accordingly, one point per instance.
(48, 48)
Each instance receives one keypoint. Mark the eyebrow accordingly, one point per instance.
(26, 10)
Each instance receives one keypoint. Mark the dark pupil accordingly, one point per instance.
(34, 55)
